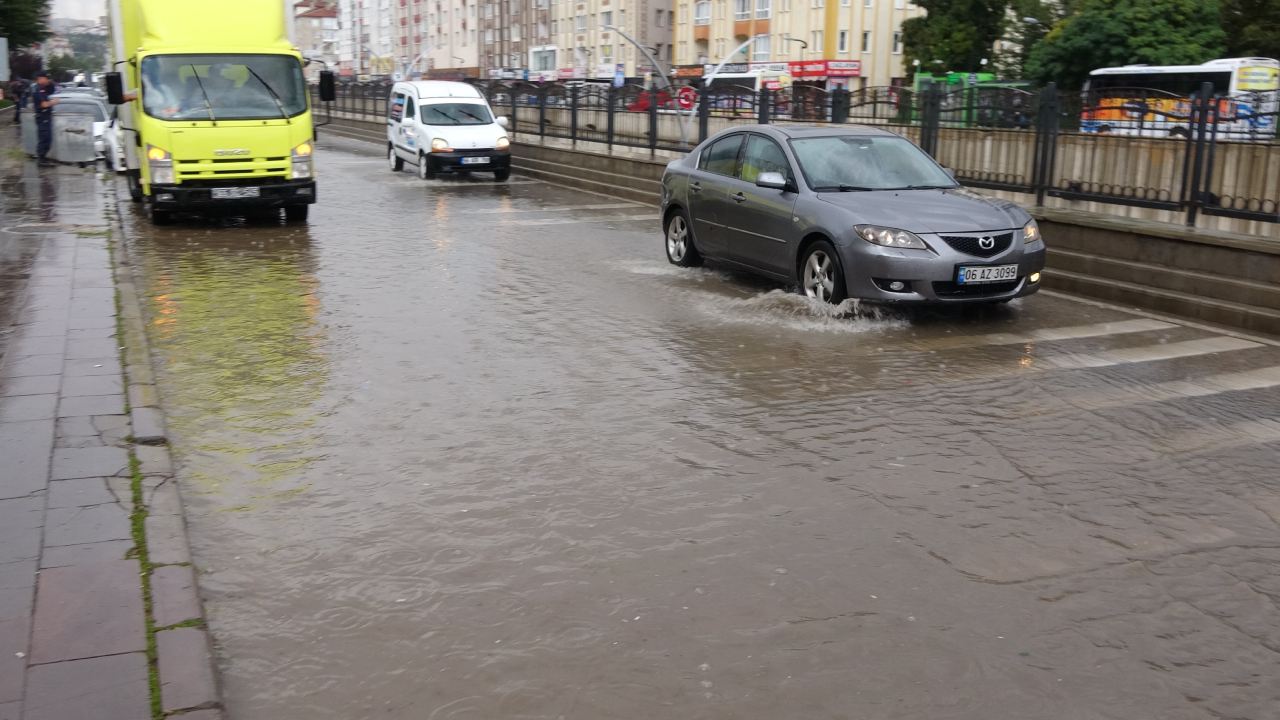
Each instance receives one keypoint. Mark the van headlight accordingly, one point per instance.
(889, 237)
(440, 145)
(1030, 232)
(159, 165)
(300, 167)
(504, 143)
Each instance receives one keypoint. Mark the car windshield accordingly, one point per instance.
(853, 162)
(456, 114)
(71, 107)
(222, 87)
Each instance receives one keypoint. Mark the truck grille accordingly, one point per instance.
(229, 168)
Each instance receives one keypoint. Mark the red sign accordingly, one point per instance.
(844, 68)
(687, 71)
(824, 68)
(686, 97)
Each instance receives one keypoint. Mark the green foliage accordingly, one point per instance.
(24, 22)
(62, 68)
(1106, 33)
(1253, 27)
(954, 35)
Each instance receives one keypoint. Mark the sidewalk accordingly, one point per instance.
(99, 614)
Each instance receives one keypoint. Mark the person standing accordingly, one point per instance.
(17, 93)
(42, 102)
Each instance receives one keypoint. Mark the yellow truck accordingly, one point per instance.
(214, 108)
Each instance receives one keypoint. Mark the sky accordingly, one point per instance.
(79, 9)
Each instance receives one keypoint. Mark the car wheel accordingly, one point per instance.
(424, 167)
(296, 213)
(821, 277)
(393, 160)
(501, 175)
(680, 248)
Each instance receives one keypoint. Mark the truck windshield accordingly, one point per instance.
(222, 87)
(456, 114)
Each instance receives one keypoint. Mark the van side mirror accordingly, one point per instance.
(328, 86)
(115, 88)
(503, 122)
(772, 180)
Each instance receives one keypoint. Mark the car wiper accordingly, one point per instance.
(275, 97)
(924, 187)
(845, 188)
(455, 120)
(472, 115)
(208, 104)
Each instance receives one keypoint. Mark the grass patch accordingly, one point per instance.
(192, 623)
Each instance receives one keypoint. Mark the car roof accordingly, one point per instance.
(800, 131)
(442, 89)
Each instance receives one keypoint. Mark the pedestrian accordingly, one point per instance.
(17, 93)
(42, 102)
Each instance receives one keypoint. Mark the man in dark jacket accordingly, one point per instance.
(42, 102)
(17, 91)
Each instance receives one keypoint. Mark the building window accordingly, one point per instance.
(898, 4)
(866, 41)
(897, 43)
(544, 59)
(866, 3)
(582, 22)
(741, 9)
(760, 48)
(786, 6)
(844, 3)
(843, 41)
(817, 3)
(702, 13)
(815, 41)
(659, 17)
(606, 53)
(763, 8)
(606, 18)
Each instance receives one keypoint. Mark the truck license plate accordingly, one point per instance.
(475, 161)
(977, 274)
(236, 193)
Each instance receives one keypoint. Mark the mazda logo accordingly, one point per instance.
(986, 243)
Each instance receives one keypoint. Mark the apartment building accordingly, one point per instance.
(365, 41)
(588, 43)
(826, 43)
(315, 28)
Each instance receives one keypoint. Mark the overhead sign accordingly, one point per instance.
(688, 71)
(824, 68)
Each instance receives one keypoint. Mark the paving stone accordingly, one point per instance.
(167, 540)
(210, 714)
(93, 366)
(32, 365)
(14, 634)
(173, 595)
(19, 574)
(13, 711)
(186, 669)
(79, 493)
(80, 525)
(31, 385)
(49, 328)
(84, 333)
(154, 460)
(81, 323)
(92, 385)
(28, 407)
(88, 611)
(105, 688)
(164, 500)
(143, 396)
(20, 523)
(92, 348)
(71, 463)
(87, 554)
(47, 345)
(91, 405)
(148, 426)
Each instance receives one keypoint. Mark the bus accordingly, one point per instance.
(1155, 100)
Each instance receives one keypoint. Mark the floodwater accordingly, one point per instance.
(466, 451)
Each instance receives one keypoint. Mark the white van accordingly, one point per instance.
(445, 127)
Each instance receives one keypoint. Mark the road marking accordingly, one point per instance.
(1244, 433)
(1186, 322)
(1073, 332)
(1176, 389)
(1149, 353)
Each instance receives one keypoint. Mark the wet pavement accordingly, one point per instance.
(459, 450)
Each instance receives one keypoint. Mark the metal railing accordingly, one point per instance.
(1209, 154)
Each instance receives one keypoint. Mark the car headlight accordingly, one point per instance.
(1030, 232)
(160, 165)
(889, 237)
(300, 167)
(504, 143)
(440, 145)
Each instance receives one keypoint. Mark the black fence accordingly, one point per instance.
(1208, 154)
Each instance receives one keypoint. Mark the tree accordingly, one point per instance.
(24, 22)
(954, 35)
(1253, 27)
(1106, 33)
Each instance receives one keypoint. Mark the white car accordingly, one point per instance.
(113, 144)
(85, 102)
(445, 127)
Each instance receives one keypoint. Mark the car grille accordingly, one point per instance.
(950, 289)
(969, 245)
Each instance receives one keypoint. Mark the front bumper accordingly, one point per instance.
(277, 193)
(930, 276)
(454, 161)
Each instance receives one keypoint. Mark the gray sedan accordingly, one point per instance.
(846, 211)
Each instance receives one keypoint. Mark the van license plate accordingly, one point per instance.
(475, 161)
(975, 275)
(236, 193)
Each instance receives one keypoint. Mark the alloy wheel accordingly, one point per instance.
(819, 276)
(677, 239)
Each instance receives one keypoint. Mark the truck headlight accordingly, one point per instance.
(440, 145)
(300, 168)
(504, 143)
(1030, 232)
(889, 237)
(159, 165)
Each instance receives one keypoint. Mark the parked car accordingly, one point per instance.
(843, 212)
(113, 143)
(85, 101)
(445, 127)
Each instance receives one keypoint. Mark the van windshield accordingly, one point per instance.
(456, 114)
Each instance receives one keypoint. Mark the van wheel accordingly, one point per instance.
(393, 160)
(424, 168)
(501, 175)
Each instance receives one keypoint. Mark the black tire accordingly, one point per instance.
(821, 275)
(296, 213)
(677, 237)
(135, 186)
(394, 161)
(160, 217)
(424, 168)
(501, 175)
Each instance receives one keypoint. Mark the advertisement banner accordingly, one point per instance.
(1253, 78)
(844, 68)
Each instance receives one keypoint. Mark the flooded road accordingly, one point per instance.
(466, 451)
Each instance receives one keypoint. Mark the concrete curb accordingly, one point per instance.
(188, 679)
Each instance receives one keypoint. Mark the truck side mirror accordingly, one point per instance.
(115, 88)
(328, 86)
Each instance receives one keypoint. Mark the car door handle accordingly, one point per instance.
(739, 197)
(696, 187)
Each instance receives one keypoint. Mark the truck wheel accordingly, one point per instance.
(393, 160)
(296, 213)
(135, 187)
(501, 175)
(161, 217)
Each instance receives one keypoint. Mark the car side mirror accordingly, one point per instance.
(115, 88)
(328, 86)
(503, 122)
(772, 180)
